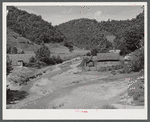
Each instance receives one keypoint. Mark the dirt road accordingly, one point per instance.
(70, 88)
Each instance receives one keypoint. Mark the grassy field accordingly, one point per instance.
(15, 40)
(63, 52)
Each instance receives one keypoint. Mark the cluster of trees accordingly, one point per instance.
(83, 32)
(137, 63)
(32, 27)
(132, 37)
(102, 45)
(9, 65)
(69, 45)
(13, 50)
(43, 58)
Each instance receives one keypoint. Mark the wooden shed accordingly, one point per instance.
(19, 59)
(108, 57)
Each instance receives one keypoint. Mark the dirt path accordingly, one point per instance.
(72, 89)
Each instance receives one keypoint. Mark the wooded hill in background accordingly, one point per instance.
(32, 27)
(83, 33)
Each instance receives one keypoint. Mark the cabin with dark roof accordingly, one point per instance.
(108, 59)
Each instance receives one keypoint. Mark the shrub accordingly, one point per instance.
(109, 68)
(54, 59)
(32, 59)
(9, 65)
(14, 50)
(51, 61)
(58, 59)
(136, 90)
(121, 71)
(8, 49)
(88, 54)
(103, 69)
(94, 52)
(13, 95)
(43, 54)
(113, 72)
(138, 60)
(37, 64)
(83, 62)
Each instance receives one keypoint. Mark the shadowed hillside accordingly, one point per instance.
(21, 43)
(32, 27)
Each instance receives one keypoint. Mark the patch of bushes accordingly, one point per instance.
(12, 50)
(14, 95)
(137, 63)
(88, 54)
(9, 65)
(37, 64)
(122, 71)
(138, 60)
(113, 72)
(83, 62)
(34, 62)
(136, 90)
(110, 68)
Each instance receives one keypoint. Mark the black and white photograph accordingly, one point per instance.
(80, 59)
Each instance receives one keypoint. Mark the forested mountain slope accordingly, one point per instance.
(32, 27)
(82, 31)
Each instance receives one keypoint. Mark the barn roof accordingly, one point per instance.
(108, 56)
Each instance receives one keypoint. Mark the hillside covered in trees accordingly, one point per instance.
(83, 33)
(32, 27)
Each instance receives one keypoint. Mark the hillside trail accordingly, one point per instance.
(72, 89)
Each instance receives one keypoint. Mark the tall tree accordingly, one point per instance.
(14, 50)
(43, 54)
(9, 65)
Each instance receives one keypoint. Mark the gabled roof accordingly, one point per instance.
(108, 56)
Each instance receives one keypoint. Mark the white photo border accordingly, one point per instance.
(70, 114)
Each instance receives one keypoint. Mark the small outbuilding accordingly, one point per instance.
(107, 59)
(19, 59)
(20, 62)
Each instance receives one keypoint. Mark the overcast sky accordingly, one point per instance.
(60, 14)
